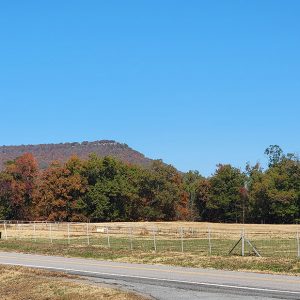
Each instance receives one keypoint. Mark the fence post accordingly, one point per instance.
(17, 230)
(130, 239)
(243, 242)
(50, 233)
(68, 226)
(209, 240)
(108, 239)
(154, 240)
(181, 237)
(34, 232)
(87, 234)
(5, 231)
(298, 243)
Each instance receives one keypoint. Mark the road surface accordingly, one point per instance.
(165, 282)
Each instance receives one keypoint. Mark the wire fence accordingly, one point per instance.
(220, 240)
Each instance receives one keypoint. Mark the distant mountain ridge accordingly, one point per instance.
(47, 153)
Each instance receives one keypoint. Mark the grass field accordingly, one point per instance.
(187, 244)
(251, 263)
(19, 283)
(189, 237)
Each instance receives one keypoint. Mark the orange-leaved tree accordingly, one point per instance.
(59, 193)
(20, 177)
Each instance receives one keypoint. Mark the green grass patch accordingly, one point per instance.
(122, 253)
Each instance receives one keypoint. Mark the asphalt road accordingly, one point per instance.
(164, 282)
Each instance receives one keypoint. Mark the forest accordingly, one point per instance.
(45, 154)
(106, 189)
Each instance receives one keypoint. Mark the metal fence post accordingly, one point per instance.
(50, 233)
(5, 231)
(34, 232)
(154, 240)
(108, 239)
(298, 244)
(181, 237)
(87, 234)
(17, 230)
(130, 239)
(209, 240)
(68, 226)
(243, 242)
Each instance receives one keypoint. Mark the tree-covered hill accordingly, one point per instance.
(108, 189)
(47, 153)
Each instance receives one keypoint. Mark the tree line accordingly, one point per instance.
(106, 189)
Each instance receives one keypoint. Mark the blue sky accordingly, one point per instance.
(195, 83)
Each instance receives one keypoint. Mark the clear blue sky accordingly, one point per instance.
(192, 82)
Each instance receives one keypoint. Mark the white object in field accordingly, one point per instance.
(101, 230)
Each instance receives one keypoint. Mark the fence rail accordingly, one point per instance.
(202, 239)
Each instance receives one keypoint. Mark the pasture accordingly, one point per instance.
(205, 239)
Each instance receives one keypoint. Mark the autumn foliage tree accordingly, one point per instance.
(17, 184)
(58, 196)
(162, 194)
(105, 189)
(5, 196)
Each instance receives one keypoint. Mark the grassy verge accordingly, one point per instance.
(255, 264)
(19, 283)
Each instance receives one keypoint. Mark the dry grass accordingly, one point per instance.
(144, 229)
(266, 265)
(18, 283)
(199, 225)
(233, 263)
(191, 237)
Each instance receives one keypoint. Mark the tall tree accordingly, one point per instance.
(203, 199)
(275, 154)
(162, 193)
(59, 194)
(5, 196)
(276, 193)
(225, 201)
(112, 192)
(191, 180)
(19, 180)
